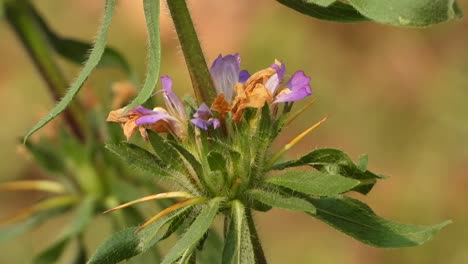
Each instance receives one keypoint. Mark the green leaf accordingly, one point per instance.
(334, 161)
(238, 248)
(357, 220)
(324, 3)
(195, 232)
(77, 51)
(280, 201)
(52, 254)
(165, 151)
(146, 162)
(338, 11)
(9, 232)
(127, 244)
(314, 183)
(196, 165)
(151, 8)
(46, 157)
(212, 249)
(91, 63)
(362, 163)
(82, 218)
(415, 13)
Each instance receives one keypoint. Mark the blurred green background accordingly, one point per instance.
(397, 94)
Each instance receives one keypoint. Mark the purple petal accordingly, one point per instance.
(153, 118)
(203, 112)
(141, 110)
(225, 74)
(244, 75)
(173, 103)
(272, 84)
(280, 70)
(297, 88)
(200, 123)
(215, 122)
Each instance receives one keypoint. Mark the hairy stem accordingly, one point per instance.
(198, 70)
(21, 16)
(258, 249)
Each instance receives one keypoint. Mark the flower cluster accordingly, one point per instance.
(236, 90)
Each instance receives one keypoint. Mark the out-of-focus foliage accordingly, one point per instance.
(416, 97)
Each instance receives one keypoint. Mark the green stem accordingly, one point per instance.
(198, 70)
(258, 249)
(21, 16)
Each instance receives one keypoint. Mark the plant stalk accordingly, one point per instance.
(20, 15)
(258, 249)
(198, 70)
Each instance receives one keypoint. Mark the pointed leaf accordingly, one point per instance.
(77, 51)
(145, 162)
(165, 151)
(314, 183)
(356, 219)
(238, 248)
(31, 222)
(82, 218)
(196, 165)
(213, 248)
(91, 63)
(46, 157)
(415, 13)
(280, 201)
(127, 243)
(52, 254)
(195, 232)
(334, 161)
(338, 11)
(151, 8)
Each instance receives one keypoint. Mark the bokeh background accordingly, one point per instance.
(397, 94)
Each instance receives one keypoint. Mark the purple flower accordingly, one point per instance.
(203, 118)
(173, 103)
(153, 116)
(244, 75)
(226, 73)
(277, 78)
(280, 69)
(296, 89)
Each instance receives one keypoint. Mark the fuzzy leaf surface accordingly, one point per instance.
(126, 244)
(314, 183)
(334, 161)
(357, 220)
(145, 162)
(84, 214)
(416, 13)
(93, 60)
(77, 51)
(195, 232)
(337, 11)
(151, 8)
(280, 201)
(238, 248)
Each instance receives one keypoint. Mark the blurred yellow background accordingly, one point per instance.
(397, 94)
